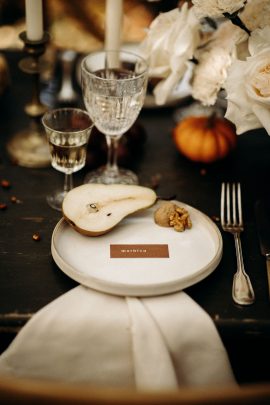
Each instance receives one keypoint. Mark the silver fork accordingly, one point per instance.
(232, 221)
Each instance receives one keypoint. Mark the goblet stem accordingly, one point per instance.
(68, 182)
(112, 143)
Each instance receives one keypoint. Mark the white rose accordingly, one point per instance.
(248, 86)
(214, 60)
(169, 44)
(210, 75)
(256, 14)
(216, 8)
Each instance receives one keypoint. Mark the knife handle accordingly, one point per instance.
(268, 273)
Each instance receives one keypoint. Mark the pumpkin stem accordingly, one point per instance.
(211, 120)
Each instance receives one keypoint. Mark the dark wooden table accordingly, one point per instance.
(29, 278)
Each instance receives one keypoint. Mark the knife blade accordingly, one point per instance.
(262, 213)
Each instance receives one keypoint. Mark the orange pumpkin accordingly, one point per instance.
(204, 139)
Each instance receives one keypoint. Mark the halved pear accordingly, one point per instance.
(94, 209)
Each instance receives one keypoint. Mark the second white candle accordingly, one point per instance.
(34, 20)
(113, 24)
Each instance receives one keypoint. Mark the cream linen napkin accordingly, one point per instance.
(149, 343)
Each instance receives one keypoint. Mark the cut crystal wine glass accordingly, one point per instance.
(114, 86)
(68, 131)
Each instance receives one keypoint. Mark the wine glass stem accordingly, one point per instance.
(68, 183)
(112, 143)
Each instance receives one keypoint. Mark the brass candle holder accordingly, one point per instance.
(29, 147)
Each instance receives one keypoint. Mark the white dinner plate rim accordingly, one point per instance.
(122, 289)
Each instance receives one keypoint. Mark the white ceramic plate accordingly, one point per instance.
(193, 255)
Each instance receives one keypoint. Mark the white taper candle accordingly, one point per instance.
(34, 19)
(113, 24)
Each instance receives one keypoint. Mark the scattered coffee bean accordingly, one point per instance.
(215, 218)
(5, 183)
(36, 237)
(203, 172)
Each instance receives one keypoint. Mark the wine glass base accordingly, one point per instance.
(55, 200)
(105, 176)
(29, 148)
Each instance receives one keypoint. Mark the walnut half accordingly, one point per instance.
(169, 214)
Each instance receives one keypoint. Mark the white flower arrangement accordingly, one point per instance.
(171, 42)
(248, 85)
(235, 56)
(216, 8)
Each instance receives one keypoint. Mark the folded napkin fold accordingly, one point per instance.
(148, 343)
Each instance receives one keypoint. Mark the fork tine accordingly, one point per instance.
(228, 200)
(231, 205)
(222, 204)
(234, 204)
(239, 199)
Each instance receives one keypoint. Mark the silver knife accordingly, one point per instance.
(262, 212)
